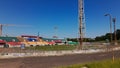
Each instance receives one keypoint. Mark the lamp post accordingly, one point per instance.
(115, 39)
(110, 17)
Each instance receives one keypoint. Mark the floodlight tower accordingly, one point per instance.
(81, 17)
(55, 28)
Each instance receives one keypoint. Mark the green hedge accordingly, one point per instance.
(53, 48)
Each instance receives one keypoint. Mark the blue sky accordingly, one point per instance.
(33, 16)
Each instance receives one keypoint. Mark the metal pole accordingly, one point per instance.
(1, 29)
(55, 28)
(115, 39)
(110, 27)
(110, 18)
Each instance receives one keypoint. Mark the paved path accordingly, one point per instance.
(54, 61)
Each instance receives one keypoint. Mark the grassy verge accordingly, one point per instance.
(99, 64)
(53, 48)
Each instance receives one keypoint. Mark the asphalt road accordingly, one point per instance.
(55, 61)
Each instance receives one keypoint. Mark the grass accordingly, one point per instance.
(53, 48)
(99, 64)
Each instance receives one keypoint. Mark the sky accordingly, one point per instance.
(57, 17)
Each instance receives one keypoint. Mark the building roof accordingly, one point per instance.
(9, 39)
(53, 39)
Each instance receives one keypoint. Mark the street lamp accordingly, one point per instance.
(110, 17)
(115, 39)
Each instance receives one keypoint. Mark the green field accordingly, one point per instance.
(53, 48)
(98, 64)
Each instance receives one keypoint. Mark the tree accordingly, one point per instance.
(107, 36)
(118, 34)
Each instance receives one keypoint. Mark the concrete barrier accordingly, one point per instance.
(53, 53)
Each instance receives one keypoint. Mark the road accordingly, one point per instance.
(55, 61)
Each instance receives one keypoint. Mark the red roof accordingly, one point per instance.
(51, 43)
(2, 41)
(14, 43)
(30, 36)
(58, 41)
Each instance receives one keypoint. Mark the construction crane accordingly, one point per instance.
(81, 16)
(1, 27)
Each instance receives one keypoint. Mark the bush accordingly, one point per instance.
(53, 48)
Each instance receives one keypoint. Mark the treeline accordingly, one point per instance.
(77, 39)
(98, 38)
(107, 36)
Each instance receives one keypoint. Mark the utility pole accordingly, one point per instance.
(38, 34)
(81, 21)
(115, 39)
(1, 29)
